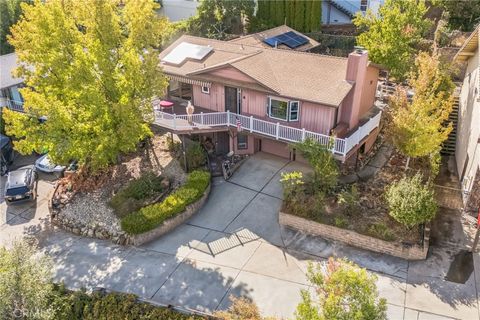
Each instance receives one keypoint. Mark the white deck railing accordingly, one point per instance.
(12, 104)
(270, 129)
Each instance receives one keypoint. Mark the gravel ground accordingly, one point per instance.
(91, 209)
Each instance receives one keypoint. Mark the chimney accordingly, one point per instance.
(356, 72)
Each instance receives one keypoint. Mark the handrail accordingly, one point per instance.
(267, 128)
(13, 105)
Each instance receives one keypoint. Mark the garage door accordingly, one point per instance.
(275, 147)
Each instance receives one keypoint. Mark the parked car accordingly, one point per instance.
(21, 185)
(45, 164)
(6, 154)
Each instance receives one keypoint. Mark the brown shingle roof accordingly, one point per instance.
(289, 73)
(256, 39)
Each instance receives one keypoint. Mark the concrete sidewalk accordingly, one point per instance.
(235, 246)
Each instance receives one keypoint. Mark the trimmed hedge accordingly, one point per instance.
(133, 196)
(150, 217)
(112, 306)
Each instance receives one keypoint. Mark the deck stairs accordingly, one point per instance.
(344, 7)
(448, 147)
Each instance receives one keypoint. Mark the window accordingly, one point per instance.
(206, 90)
(284, 110)
(293, 112)
(242, 141)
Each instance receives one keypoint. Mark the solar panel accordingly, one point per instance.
(290, 39)
(271, 41)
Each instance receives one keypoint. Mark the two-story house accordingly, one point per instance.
(251, 98)
(467, 151)
(9, 95)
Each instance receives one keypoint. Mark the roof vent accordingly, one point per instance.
(359, 49)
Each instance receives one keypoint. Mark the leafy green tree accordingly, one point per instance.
(463, 15)
(418, 127)
(299, 22)
(290, 11)
(392, 35)
(279, 12)
(10, 11)
(411, 201)
(218, 18)
(345, 291)
(325, 168)
(315, 16)
(93, 68)
(25, 283)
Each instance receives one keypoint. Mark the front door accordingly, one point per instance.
(232, 99)
(222, 143)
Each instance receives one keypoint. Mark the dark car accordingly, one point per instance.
(21, 185)
(6, 154)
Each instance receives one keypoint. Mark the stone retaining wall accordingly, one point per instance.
(408, 252)
(170, 224)
(122, 237)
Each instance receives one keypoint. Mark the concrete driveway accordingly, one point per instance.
(235, 246)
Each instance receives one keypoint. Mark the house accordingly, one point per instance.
(9, 95)
(467, 152)
(343, 11)
(251, 98)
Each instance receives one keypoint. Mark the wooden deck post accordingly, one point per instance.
(184, 152)
(277, 134)
(251, 124)
(303, 134)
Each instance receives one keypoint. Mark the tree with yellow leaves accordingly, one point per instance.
(418, 128)
(91, 69)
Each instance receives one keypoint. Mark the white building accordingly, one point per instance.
(342, 11)
(9, 85)
(467, 151)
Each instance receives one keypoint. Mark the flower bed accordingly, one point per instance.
(152, 216)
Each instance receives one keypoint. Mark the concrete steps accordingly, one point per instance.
(448, 147)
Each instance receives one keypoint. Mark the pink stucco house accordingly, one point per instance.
(252, 95)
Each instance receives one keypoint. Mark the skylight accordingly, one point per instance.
(186, 50)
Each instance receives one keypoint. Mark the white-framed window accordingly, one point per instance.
(294, 111)
(205, 90)
(283, 109)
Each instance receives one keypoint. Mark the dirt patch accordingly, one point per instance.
(82, 202)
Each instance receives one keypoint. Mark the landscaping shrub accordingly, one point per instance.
(348, 199)
(133, 196)
(411, 201)
(381, 231)
(195, 156)
(112, 306)
(341, 222)
(240, 309)
(149, 217)
(325, 169)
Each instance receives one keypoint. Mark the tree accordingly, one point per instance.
(315, 16)
(345, 291)
(463, 15)
(10, 11)
(392, 35)
(411, 201)
(325, 169)
(93, 68)
(299, 22)
(25, 283)
(418, 127)
(218, 18)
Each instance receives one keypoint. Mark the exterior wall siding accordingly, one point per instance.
(369, 89)
(214, 101)
(468, 132)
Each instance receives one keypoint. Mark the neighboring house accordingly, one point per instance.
(9, 95)
(176, 10)
(261, 98)
(467, 151)
(342, 11)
